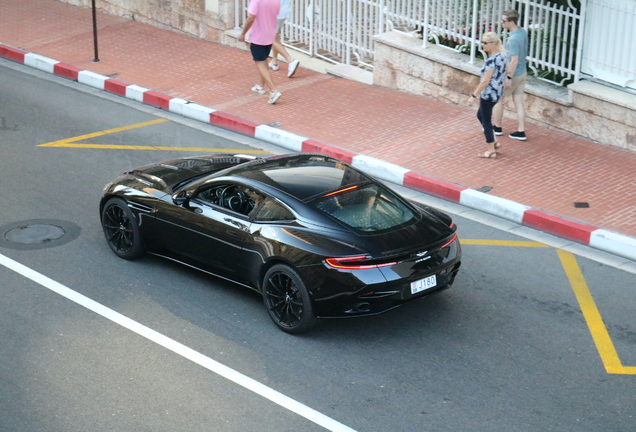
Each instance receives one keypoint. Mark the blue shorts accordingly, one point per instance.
(260, 52)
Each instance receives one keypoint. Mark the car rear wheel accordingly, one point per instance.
(287, 300)
(121, 229)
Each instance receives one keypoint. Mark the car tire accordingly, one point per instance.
(287, 300)
(122, 230)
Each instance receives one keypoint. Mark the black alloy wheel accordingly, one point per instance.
(287, 300)
(121, 229)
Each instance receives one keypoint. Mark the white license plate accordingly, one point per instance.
(423, 284)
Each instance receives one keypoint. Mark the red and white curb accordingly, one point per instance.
(597, 238)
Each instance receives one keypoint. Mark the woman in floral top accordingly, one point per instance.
(490, 89)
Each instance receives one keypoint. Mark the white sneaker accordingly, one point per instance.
(291, 69)
(273, 97)
(273, 66)
(258, 89)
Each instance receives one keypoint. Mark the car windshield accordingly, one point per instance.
(367, 208)
(188, 180)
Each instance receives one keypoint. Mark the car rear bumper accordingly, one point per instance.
(381, 296)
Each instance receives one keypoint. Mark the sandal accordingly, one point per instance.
(497, 144)
(488, 154)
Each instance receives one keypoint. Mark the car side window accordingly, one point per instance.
(273, 211)
(237, 198)
(208, 196)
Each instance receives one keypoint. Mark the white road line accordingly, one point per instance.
(178, 348)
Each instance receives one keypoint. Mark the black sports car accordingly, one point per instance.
(317, 237)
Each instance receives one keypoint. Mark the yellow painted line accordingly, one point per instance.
(61, 143)
(595, 323)
(68, 143)
(132, 147)
(503, 243)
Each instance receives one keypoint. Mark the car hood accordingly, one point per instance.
(429, 230)
(169, 175)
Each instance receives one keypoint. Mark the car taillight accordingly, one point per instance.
(449, 242)
(354, 263)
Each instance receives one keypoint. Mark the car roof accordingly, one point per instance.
(302, 176)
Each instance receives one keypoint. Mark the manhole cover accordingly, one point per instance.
(34, 234)
(37, 234)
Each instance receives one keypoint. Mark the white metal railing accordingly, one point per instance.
(552, 30)
(342, 31)
(609, 45)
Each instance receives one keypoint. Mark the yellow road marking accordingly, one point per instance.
(600, 335)
(595, 323)
(131, 147)
(503, 243)
(61, 143)
(68, 142)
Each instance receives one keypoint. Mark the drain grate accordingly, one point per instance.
(485, 189)
(579, 204)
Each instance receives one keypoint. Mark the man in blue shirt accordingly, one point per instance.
(517, 50)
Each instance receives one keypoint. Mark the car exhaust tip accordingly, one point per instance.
(362, 307)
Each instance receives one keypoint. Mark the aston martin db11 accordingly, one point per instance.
(315, 236)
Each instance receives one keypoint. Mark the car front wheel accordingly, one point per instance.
(287, 300)
(121, 229)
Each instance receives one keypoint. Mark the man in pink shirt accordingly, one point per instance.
(261, 23)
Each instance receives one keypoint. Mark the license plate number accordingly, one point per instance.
(423, 284)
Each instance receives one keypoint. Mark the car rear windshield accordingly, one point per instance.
(367, 208)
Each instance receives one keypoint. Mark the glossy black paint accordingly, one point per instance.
(175, 223)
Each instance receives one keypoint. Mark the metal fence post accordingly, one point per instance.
(95, 32)
(473, 35)
(581, 38)
(425, 26)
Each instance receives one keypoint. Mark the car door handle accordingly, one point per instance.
(235, 223)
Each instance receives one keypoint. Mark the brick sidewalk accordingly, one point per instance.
(550, 171)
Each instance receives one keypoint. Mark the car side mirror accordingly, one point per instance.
(180, 198)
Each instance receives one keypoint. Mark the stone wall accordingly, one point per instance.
(205, 19)
(587, 109)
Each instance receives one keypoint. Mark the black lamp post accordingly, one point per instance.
(95, 32)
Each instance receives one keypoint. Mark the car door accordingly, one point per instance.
(206, 232)
(217, 237)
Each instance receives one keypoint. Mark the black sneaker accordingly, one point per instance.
(498, 130)
(521, 136)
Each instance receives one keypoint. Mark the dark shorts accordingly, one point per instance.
(260, 52)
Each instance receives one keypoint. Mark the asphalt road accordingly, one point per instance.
(519, 343)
